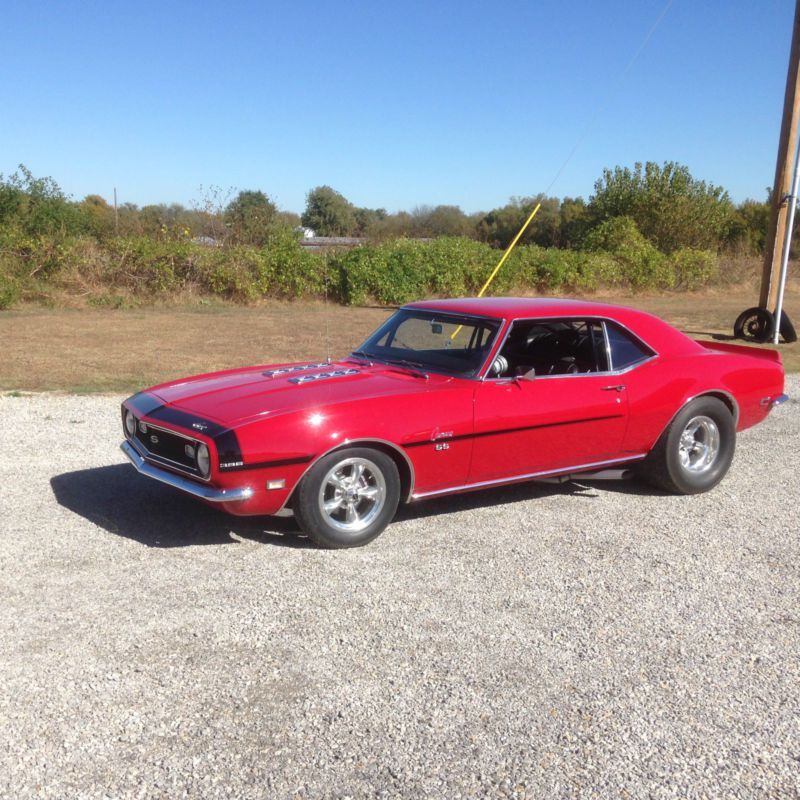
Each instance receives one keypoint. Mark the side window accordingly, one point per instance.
(552, 347)
(625, 349)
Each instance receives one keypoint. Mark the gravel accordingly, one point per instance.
(585, 640)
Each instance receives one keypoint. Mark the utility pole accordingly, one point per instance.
(116, 212)
(787, 147)
(768, 320)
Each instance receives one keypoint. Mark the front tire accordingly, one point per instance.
(694, 453)
(348, 497)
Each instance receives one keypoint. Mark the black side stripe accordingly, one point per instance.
(228, 448)
(502, 431)
(281, 462)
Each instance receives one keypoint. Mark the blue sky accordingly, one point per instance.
(394, 105)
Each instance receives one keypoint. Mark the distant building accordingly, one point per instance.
(331, 242)
(207, 241)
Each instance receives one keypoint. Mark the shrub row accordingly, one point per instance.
(390, 273)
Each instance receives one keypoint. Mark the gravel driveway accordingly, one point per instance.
(541, 641)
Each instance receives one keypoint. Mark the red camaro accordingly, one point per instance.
(453, 395)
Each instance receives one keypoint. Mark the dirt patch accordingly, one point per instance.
(122, 350)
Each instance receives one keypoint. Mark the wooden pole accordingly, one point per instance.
(787, 147)
(116, 212)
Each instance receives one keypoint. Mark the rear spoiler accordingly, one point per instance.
(742, 350)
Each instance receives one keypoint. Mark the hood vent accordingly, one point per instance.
(334, 373)
(271, 373)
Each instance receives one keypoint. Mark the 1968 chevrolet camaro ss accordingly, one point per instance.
(449, 396)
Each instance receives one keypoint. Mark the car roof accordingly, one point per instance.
(661, 336)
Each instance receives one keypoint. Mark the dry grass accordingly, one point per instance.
(93, 350)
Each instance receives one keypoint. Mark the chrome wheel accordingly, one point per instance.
(352, 494)
(699, 444)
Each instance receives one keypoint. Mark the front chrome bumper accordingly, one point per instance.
(208, 493)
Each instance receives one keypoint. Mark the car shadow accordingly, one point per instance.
(120, 501)
(519, 492)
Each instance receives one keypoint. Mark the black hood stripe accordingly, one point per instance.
(225, 439)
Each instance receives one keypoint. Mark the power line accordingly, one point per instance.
(613, 91)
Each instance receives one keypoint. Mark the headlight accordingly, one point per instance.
(203, 460)
(130, 424)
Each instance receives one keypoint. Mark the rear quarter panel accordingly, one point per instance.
(660, 388)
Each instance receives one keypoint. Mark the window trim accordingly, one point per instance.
(636, 339)
(484, 373)
(460, 317)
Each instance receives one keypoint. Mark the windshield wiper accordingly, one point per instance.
(362, 354)
(414, 367)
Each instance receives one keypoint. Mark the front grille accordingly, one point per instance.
(166, 447)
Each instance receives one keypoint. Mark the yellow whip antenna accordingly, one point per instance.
(528, 221)
(503, 259)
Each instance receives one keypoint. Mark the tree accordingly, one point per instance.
(670, 207)
(329, 213)
(443, 221)
(573, 221)
(747, 232)
(250, 216)
(501, 225)
(367, 218)
(37, 205)
(99, 215)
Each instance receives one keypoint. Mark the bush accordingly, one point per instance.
(693, 268)
(391, 273)
(638, 264)
(402, 270)
(671, 208)
(9, 293)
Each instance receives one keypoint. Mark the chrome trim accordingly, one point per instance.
(636, 336)
(610, 374)
(704, 393)
(607, 345)
(529, 476)
(176, 482)
(168, 430)
(593, 317)
(779, 400)
(476, 376)
(355, 443)
(149, 453)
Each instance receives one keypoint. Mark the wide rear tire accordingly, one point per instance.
(694, 453)
(348, 497)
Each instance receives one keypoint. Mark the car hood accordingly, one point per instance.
(236, 397)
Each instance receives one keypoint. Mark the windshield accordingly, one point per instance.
(429, 340)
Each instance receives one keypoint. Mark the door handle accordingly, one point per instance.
(618, 388)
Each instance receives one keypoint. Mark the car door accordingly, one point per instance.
(549, 422)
